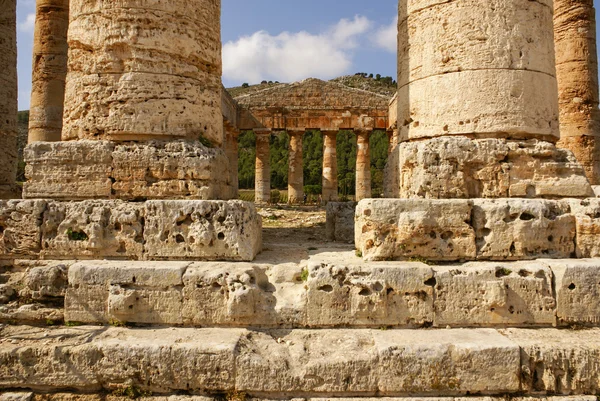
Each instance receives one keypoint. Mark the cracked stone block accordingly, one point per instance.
(446, 362)
(492, 293)
(516, 229)
(577, 290)
(148, 292)
(406, 228)
(376, 294)
(93, 229)
(340, 221)
(47, 280)
(558, 361)
(204, 230)
(68, 170)
(587, 221)
(20, 222)
(170, 170)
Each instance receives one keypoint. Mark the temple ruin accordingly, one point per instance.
(129, 269)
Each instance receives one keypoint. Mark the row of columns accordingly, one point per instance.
(296, 172)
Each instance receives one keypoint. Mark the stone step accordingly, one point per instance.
(114, 229)
(238, 396)
(477, 229)
(302, 363)
(330, 289)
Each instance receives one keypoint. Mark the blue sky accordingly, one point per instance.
(279, 40)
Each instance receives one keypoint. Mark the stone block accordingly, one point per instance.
(20, 222)
(206, 230)
(406, 228)
(369, 295)
(489, 294)
(340, 221)
(446, 362)
(93, 230)
(47, 280)
(577, 291)
(160, 360)
(103, 291)
(68, 170)
(558, 361)
(587, 220)
(516, 229)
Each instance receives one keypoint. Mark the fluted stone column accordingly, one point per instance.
(363, 165)
(295, 170)
(330, 179)
(477, 87)
(263, 167)
(232, 150)
(8, 98)
(577, 74)
(49, 70)
(142, 71)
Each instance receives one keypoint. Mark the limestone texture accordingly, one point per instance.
(160, 80)
(295, 168)
(496, 81)
(340, 221)
(20, 228)
(460, 167)
(8, 96)
(363, 166)
(330, 179)
(587, 218)
(210, 230)
(577, 291)
(232, 152)
(490, 294)
(49, 70)
(263, 167)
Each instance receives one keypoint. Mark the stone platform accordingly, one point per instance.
(477, 229)
(114, 229)
(30, 396)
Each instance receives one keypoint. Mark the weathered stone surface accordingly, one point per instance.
(16, 396)
(210, 230)
(20, 222)
(577, 290)
(404, 228)
(170, 170)
(161, 80)
(330, 170)
(295, 168)
(516, 229)
(94, 358)
(68, 170)
(49, 70)
(93, 230)
(587, 220)
(488, 294)
(340, 221)
(47, 280)
(383, 294)
(558, 361)
(263, 167)
(459, 167)
(363, 165)
(498, 81)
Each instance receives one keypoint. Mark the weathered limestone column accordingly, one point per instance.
(142, 71)
(363, 165)
(478, 102)
(49, 70)
(330, 180)
(232, 150)
(263, 167)
(295, 170)
(8, 97)
(577, 74)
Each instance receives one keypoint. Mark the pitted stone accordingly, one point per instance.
(20, 232)
(340, 221)
(587, 221)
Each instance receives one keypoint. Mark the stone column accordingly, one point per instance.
(263, 167)
(295, 170)
(577, 74)
(330, 179)
(232, 150)
(363, 165)
(141, 72)
(49, 70)
(477, 87)
(8, 98)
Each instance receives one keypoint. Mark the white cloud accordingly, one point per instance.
(387, 37)
(293, 56)
(29, 24)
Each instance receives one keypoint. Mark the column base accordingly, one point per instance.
(81, 170)
(459, 167)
